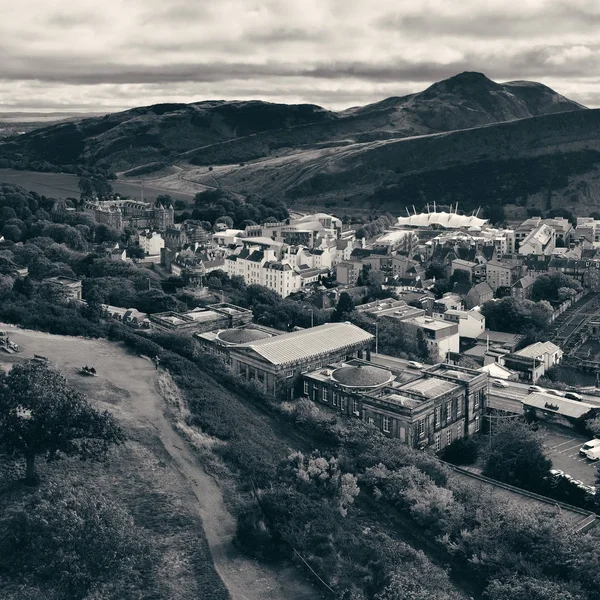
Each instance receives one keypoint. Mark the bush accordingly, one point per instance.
(460, 452)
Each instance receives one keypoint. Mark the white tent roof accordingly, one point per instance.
(442, 219)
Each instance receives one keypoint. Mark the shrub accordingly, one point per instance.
(460, 452)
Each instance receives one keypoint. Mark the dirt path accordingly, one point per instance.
(136, 379)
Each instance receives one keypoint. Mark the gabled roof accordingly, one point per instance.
(308, 343)
(482, 288)
(524, 282)
(538, 349)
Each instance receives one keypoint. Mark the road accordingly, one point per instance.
(511, 398)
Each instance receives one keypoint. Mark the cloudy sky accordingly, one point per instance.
(86, 55)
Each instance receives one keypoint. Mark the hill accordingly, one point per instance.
(548, 162)
(225, 132)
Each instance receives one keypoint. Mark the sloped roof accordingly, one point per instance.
(307, 343)
(564, 406)
(482, 288)
(496, 371)
(538, 349)
(524, 282)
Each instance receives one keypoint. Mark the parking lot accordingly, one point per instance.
(562, 447)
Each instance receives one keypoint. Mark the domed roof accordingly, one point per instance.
(361, 376)
(242, 336)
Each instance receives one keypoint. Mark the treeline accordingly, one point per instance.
(211, 205)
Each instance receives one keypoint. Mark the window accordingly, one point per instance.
(355, 407)
(438, 442)
(448, 410)
(343, 403)
(335, 398)
(306, 388)
(458, 407)
(458, 432)
(449, 437)
(386, 424)
(438, 416)
(476, 400)
(476, 423)
(421, 427)
(371, 421)
(324, 394)
(289, 374)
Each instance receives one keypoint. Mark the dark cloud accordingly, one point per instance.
(332, 52)
(498, 22)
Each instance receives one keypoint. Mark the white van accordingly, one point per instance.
(588, 446)
(593, 454)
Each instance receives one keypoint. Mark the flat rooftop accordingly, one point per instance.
(430, 387)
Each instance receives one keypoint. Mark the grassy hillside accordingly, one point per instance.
(219, 132)
(507, 163)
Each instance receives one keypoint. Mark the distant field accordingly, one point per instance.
(63, 185)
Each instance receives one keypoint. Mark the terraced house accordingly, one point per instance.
(424, 409)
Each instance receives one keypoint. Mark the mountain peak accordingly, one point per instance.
(467, 81)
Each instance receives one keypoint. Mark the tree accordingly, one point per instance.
(593, 426)
(516, 456)
(136, 252)
(12, 232)
(422, 347)
(343, 308)
(528, 588)
(227, 221)
(41, 415)
(86, 188)
(72, 540)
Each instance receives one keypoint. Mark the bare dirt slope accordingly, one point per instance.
(129, 386)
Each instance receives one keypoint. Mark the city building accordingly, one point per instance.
(393, 309)
(279, 362)
(441, 336)
(522, 289)
(152, 242)
(502, 274)
(449, 301)
(214, 316)
(466, 266)
(136, 214)
(550, 354)
(471, 323)
(347, 273)
(424, 409)
(562, 227)
(540, 242)
(479, 294)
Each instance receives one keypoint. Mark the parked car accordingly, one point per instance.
(535, 388)
(413, 364)
(590, 489)
(573, 396)
(500, 383)
(554, 393)
(591, 445)
(556, 473)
